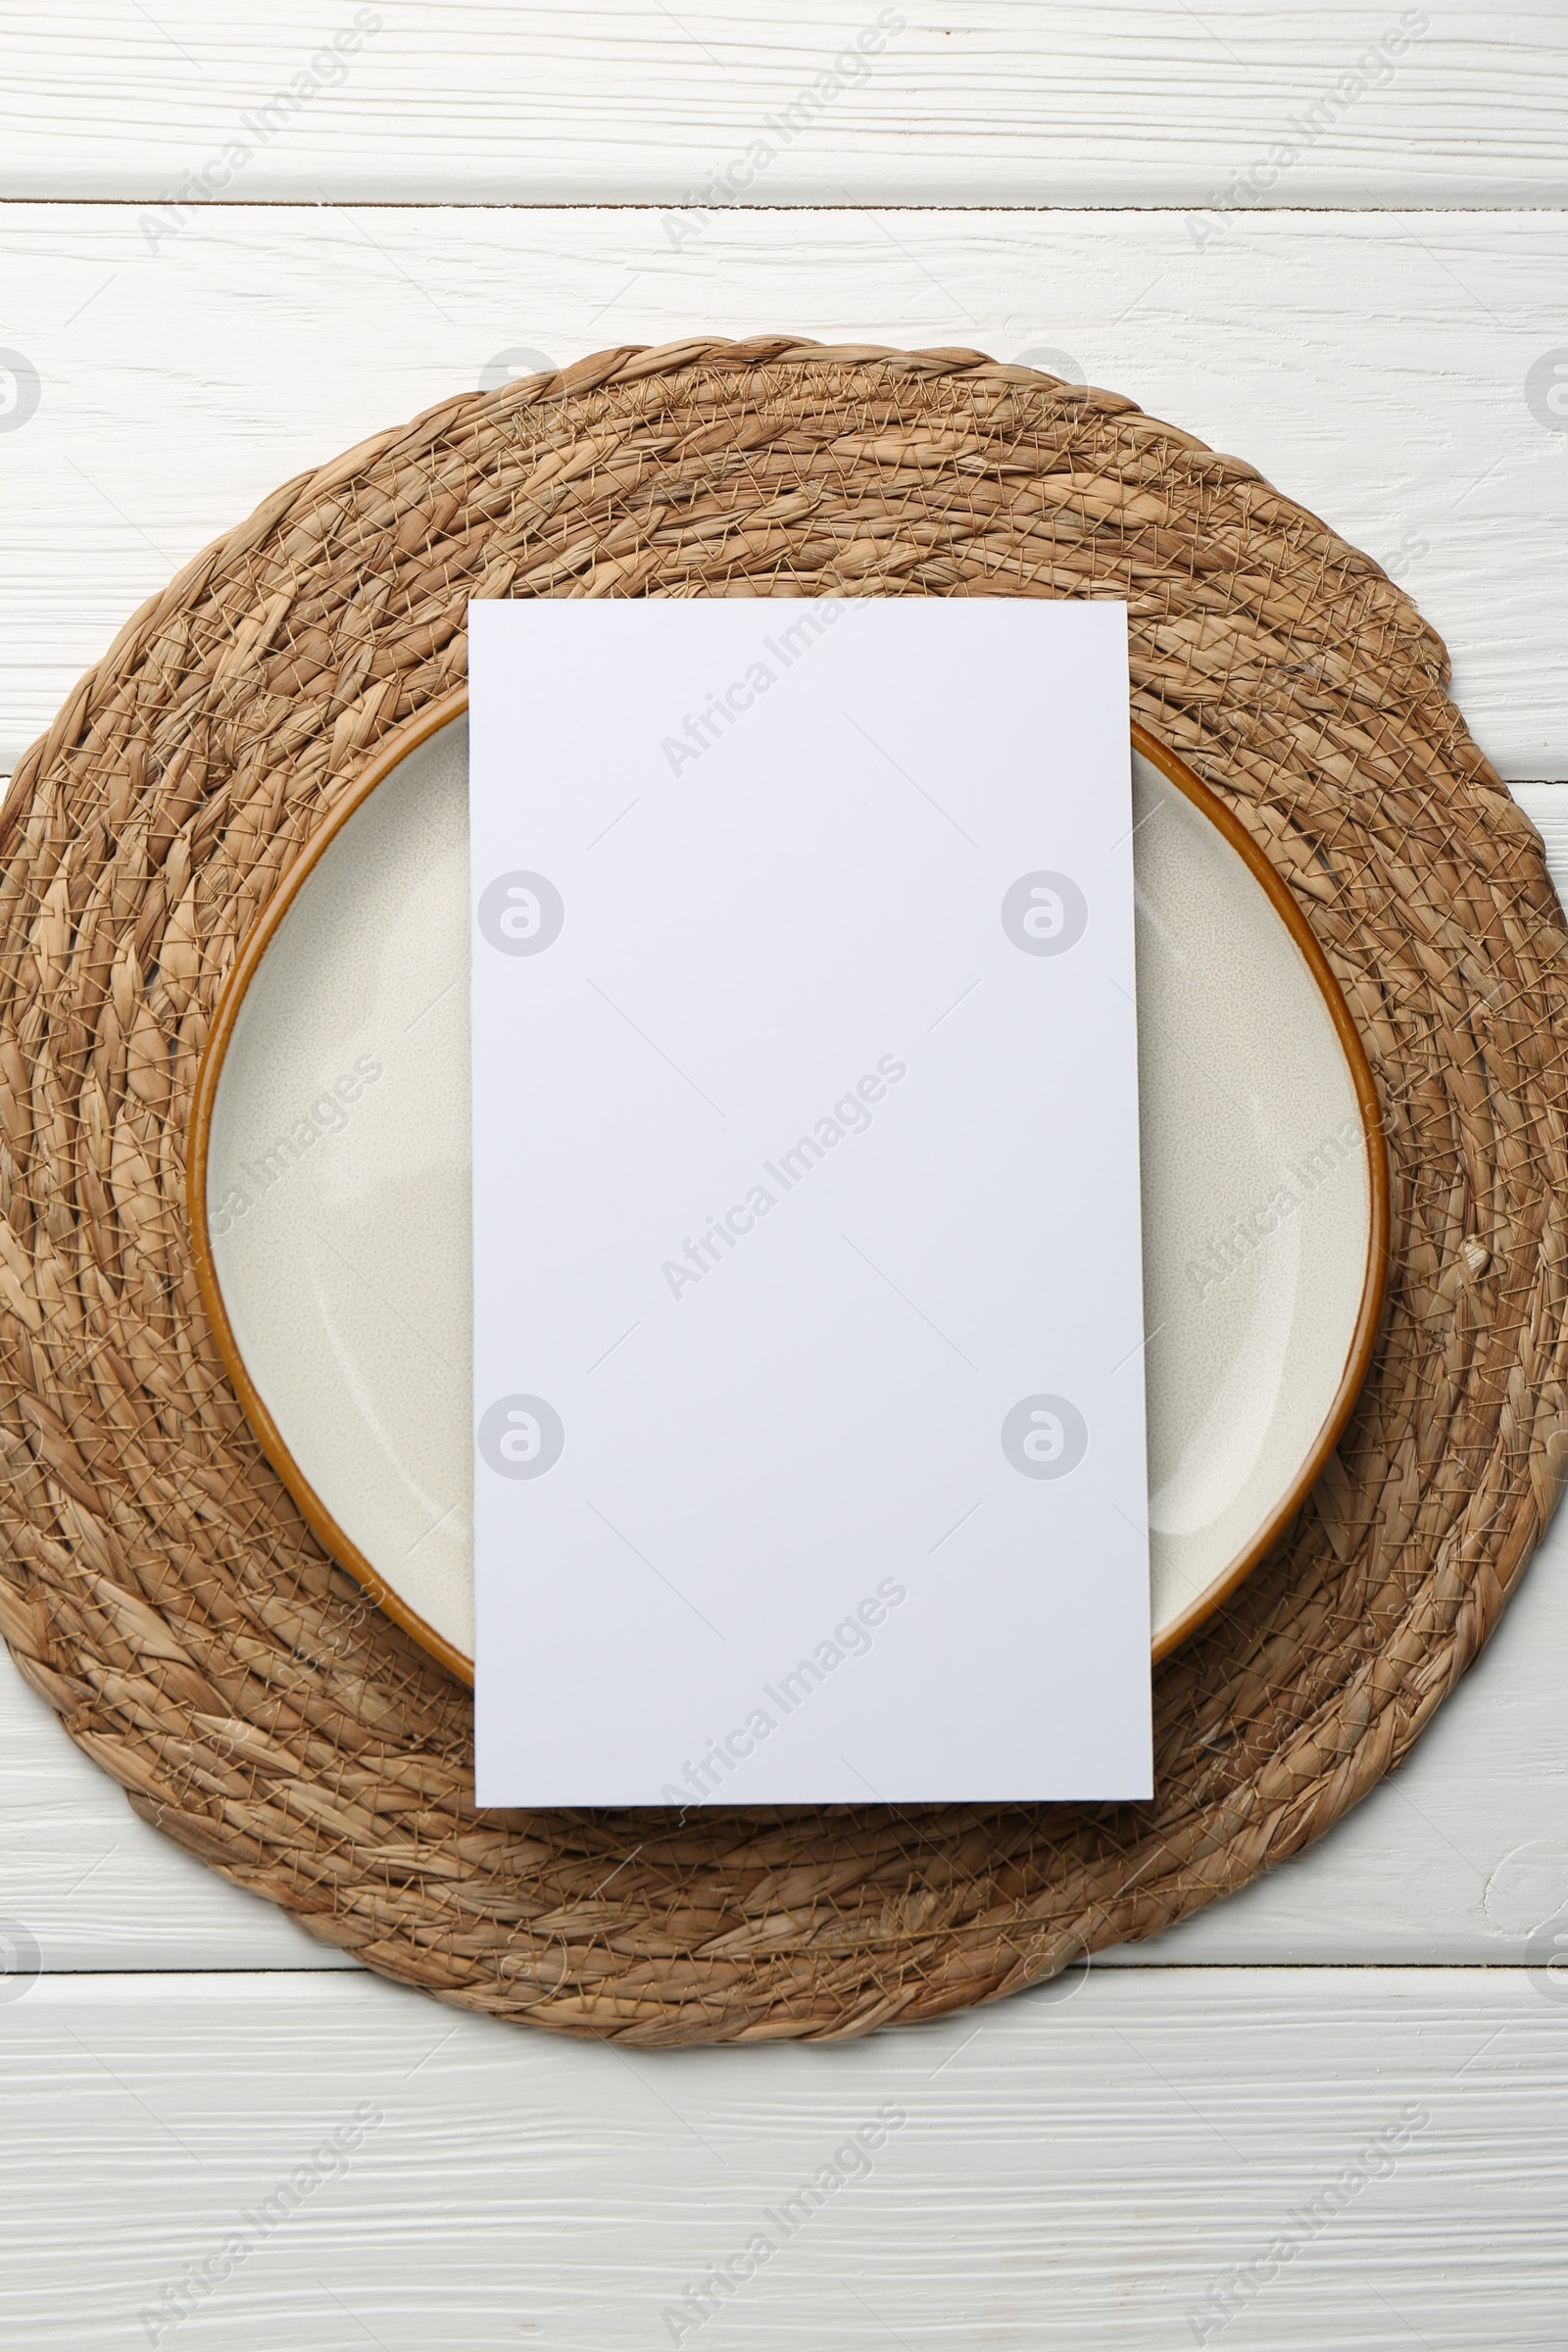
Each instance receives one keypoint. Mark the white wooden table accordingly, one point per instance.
(1330, 2110)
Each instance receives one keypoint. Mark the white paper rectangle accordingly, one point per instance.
(808, 1323)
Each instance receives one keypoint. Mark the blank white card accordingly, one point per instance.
(808, 1402)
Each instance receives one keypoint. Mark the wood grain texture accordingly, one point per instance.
(1372, 368)
(1066, 2191)
(1085, 2171)
(994, 101)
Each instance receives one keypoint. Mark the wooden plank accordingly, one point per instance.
(1274, 2161)
(1372, 366)
(996, 102)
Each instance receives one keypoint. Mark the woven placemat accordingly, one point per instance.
(158, 1585)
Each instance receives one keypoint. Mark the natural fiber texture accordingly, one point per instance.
(158, 1586)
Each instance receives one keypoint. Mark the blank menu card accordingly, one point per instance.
(808, 1408)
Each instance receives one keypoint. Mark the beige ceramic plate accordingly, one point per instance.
(329, 1189)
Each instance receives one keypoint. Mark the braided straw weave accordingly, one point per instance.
(158, 1585)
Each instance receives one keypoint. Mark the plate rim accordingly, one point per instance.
(406, 739)
(1375, 1273)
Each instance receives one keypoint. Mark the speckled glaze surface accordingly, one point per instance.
(341, 1124)
(1256, 1197)
(342, 1114)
